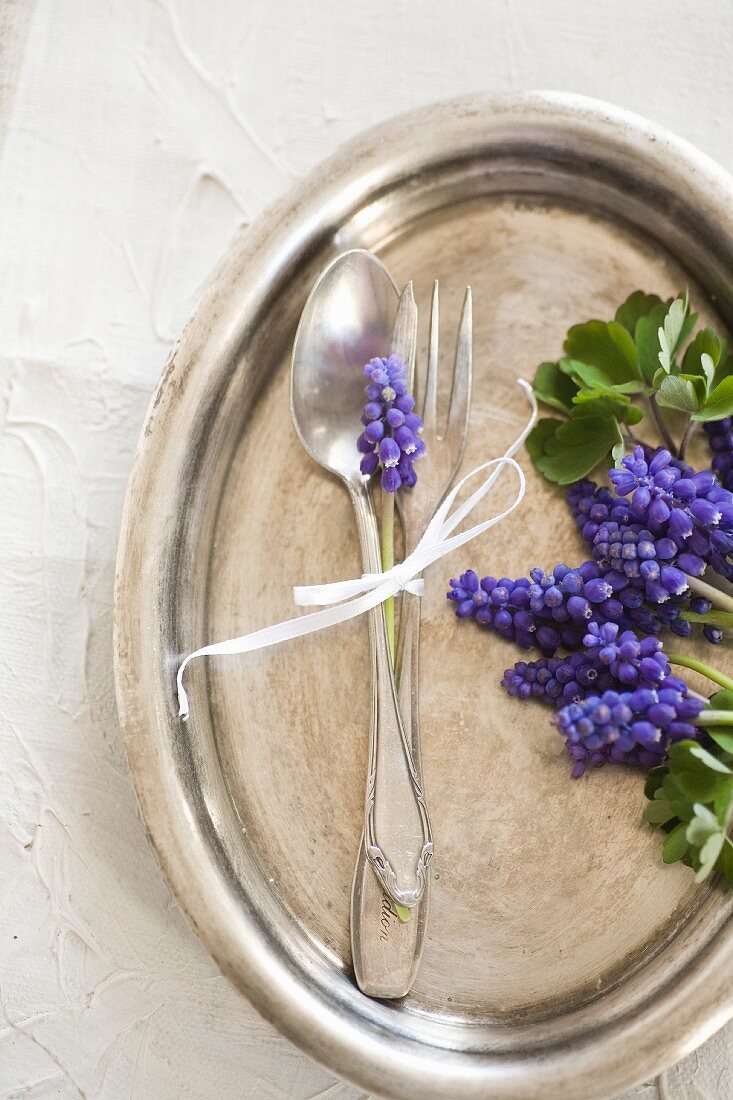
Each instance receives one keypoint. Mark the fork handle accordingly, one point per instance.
(397, 839)
(386, 951)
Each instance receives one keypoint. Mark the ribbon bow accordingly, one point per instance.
(342, 600)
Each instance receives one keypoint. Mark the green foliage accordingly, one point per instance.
(609, 366)
(554, 388)
(608, 348)
(636, 306)
(576, 447)
(691, 799)
(719, 404)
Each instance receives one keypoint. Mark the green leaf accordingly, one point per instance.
(720, 402)
(722, 737)
(725, 863)
(607, 347)
(670, 332)
(708, 368)
(554, 387)
(724, 368)
(700, 784)
(676, 392)
(659, 377)
(703, 825)
(619, 448)
(658, 812)
(654, 781)
(646, 336)
(676, 844)
(709, 854)
(722, 700)
(543, 430)
(637, 305)
(695, 780)
(703, 355)
(576, 447)
(690, 322)
(592, 377)
(633, 415)
(709, 760)
(600, 401)
(723, 804)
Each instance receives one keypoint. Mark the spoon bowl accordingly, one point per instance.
(347, 320)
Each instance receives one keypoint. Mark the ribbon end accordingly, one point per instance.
(183, 708)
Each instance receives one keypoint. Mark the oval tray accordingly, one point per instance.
(562, 958)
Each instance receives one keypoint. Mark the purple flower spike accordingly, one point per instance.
(390, 441)
(670, 499)
(628, 727)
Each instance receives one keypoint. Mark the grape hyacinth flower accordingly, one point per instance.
(391, 440)
(720, 437)
(659, 560)
(633, 727)
(610, 659)
(655, 560)
(593, 505)
(556, 680)
(682, 504)
(547, 609)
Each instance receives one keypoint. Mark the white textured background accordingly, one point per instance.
(136, 138)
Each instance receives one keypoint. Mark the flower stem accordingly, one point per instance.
(688, 434)
(661, 424)
(388, 562)
(714, 718)
(713, 618)
(716, 597)
(704, 670)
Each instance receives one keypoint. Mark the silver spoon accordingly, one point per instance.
(346, 321)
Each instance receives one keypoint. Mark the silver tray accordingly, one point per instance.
(562, 958)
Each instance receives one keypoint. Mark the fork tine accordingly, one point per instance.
(429, 412)
(460, 398)
(404, 333)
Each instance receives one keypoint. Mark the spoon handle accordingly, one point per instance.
(397, 838)
(385, 950)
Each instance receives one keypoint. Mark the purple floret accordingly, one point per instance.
(556, 680)
(391, 440)
(673, 523)
(610, 659)
(720, 437)
(633, 727)
(548, 609)
(671, 499)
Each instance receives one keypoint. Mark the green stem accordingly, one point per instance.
(688, 434)
(713, 618)
(388, 562)
(713, 718)
(704, 670)
(661, 425)
(716, 597)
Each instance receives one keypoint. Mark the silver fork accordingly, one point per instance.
(386, 951)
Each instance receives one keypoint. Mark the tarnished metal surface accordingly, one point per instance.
(562, 958)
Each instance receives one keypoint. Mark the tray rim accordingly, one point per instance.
(299, 220)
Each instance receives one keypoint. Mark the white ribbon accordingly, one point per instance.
(371, 589)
